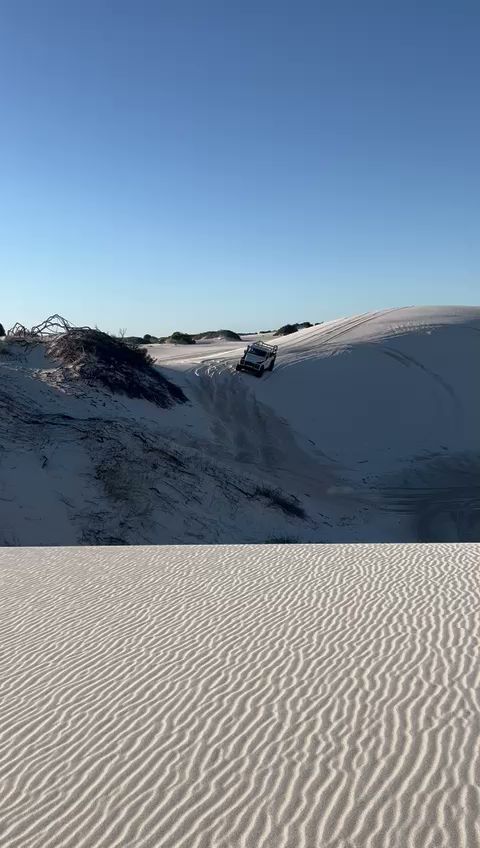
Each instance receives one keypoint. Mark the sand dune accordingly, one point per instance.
(368, 430)
(320, 696)
(380, 387)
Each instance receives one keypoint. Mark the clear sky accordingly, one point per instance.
(196, 164)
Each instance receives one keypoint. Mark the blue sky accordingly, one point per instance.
(192, 164)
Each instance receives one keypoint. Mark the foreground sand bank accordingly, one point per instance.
(254, 696)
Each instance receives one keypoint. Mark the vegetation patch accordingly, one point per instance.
(287, 503)
(133, 341)
(192, 338)
(228, 335)
(107, 362)
(180, 338)
(287, 329)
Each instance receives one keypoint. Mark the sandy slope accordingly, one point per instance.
(381, 386)
(380, 404)
(240, 697)
(368, 429)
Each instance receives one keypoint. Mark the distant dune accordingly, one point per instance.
(263, 697)
(228, 335)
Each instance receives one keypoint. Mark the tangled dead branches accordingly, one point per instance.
(100, 359)
(54, 325)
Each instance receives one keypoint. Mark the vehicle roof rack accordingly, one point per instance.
(263, 346)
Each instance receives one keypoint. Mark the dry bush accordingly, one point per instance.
(52, 326)
(102, 360)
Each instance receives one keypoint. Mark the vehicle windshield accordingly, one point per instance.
(258, 351)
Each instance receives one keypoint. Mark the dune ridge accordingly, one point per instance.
(240, 696)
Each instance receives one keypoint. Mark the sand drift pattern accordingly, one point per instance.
(320, 696)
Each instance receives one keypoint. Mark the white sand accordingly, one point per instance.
(240, 697)
(355, 410)
(380, 387)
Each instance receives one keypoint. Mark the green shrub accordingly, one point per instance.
(181, 338)
(286, 330)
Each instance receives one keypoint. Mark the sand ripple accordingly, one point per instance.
(240, 697)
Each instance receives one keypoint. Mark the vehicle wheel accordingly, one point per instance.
(237, 368)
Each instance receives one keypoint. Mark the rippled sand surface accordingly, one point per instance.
(240, 697)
